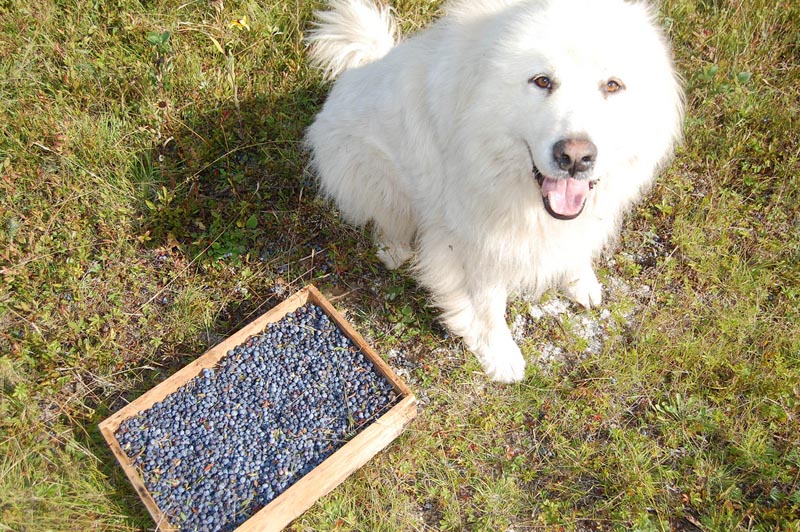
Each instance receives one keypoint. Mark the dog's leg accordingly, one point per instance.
(393, 239)
(490, 339)
(393, 254)
(473, 309)
(394, 224)
(583, 287)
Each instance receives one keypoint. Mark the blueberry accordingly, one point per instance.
(236, 436)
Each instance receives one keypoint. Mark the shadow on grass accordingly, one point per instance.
(230, 186)
(225, 180)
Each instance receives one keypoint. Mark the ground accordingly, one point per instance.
(154, 199)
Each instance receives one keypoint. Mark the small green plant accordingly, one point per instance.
(162, 64)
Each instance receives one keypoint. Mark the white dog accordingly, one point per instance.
(499, 148)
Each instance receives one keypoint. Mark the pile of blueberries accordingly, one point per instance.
(236, 436)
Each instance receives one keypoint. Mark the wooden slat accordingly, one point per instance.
(317, 483)
(135, 479)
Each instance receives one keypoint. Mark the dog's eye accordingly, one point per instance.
(543, 82)
(613, 85)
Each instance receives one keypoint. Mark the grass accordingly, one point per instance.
(153, 199)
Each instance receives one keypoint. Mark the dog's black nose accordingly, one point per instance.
(574, 155)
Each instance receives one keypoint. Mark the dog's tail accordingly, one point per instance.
(349, 34)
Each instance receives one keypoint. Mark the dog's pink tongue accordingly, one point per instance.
(565, 196)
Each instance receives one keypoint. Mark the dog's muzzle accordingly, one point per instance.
(564, 197)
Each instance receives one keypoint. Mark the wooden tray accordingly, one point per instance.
(300, 496)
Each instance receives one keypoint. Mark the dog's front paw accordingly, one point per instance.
(502, 361)
(393, 255)
(586, 290)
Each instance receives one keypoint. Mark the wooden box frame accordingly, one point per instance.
(300, 496)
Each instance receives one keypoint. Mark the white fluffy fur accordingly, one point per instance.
(352, 33)
(433, 140)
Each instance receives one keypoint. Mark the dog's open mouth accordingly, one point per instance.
(564, 198)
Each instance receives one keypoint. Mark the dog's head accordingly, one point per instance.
(589, 88)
